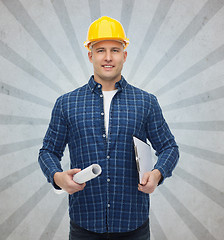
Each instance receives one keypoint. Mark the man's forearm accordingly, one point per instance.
(49, 164)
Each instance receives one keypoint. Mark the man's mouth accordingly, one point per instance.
(107, 66)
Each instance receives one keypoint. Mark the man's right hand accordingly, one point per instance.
(65, 181)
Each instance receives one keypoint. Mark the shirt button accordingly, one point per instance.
(99, 86)
(108, 157)
(101, 95)
(108, 205)
(108, 180)
(104, 135)
(102, 113)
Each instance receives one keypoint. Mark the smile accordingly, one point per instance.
(108, 66)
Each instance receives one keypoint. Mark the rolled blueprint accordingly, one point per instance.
(85, 175)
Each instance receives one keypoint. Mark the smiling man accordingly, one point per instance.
(107, 58)
(98, 121)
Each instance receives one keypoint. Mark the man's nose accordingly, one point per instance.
(108, 56)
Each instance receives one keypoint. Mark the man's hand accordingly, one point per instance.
(150, 181)
(65, 181)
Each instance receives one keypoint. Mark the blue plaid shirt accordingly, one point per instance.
(110, 202)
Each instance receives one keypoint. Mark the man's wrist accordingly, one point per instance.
(157, 175)
(55, 178)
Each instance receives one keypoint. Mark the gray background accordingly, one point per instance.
(176, 52)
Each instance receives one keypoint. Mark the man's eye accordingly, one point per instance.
(99, 51)
(115, 50)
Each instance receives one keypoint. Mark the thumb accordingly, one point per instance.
(145, 178)
(73, 171)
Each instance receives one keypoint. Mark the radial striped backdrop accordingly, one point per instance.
(176, 52)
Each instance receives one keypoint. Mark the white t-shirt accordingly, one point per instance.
(107, 98)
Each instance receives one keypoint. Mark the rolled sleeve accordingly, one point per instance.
(162, 140)
(54, 144)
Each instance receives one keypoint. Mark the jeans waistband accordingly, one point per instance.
(144, 225)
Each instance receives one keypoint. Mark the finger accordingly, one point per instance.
(144, 190)
(80, 186)
(83, 186)
(73, 171)
(145, 178)
(148, 188)
(76, 188)
(141, 188)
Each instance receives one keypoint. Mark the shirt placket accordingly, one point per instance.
(107, 156)
(109, 142)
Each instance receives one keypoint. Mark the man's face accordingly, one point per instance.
(107, 58)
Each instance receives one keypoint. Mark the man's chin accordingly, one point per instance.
(109, 78)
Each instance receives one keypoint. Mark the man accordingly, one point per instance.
(98, 121)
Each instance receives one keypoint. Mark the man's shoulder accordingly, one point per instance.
(138, 91)
(73, 93)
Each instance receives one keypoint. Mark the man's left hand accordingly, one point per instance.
(150, 181)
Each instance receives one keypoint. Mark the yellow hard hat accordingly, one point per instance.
(106, 28)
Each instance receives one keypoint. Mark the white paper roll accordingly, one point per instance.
(85, 175)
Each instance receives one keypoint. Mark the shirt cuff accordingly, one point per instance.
(52, 179)
(162, 173)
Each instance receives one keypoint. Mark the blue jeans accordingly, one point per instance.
(78, 233)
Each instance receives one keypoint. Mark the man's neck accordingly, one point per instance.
(107, 85)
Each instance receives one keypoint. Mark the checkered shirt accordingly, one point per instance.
(110, 202)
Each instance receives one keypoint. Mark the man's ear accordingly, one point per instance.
(125, 55)
(90, 55)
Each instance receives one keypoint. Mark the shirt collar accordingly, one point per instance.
(94, 86)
